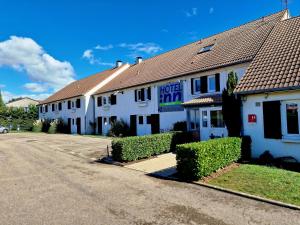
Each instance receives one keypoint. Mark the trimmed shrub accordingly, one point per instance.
(37, 126)
(200, 159)
(119, 128)
(139, 147)
(53, 127)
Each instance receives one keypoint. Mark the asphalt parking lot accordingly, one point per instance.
(52, 179)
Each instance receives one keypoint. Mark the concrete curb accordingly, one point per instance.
(241, 194)
(253, 197)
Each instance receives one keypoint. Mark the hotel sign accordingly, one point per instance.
(170, 97)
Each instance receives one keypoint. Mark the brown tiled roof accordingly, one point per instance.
(277, 65)
(80, 87)
(237, 45)
(206, 100)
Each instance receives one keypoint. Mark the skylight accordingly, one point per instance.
(206, 48)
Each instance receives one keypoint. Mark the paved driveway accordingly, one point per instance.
(49, 179)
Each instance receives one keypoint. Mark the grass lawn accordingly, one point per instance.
(271, 183)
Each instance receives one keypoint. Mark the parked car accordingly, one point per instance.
(3, 130)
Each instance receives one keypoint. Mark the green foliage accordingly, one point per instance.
(134, 148)
(2, 104)
(119, 128)
(46, 125)
(200, 159)
(53, 127)
(180, 126)
(37, 126)
(267, 182)
(17, 117)
(231, 107)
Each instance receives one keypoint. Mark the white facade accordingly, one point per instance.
(81, 119)
(289, 144)
(126, 105)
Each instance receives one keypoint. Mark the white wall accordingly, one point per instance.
(66, 113)
(127, 106)
(278, 148)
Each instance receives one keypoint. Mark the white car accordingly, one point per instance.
(3, 130)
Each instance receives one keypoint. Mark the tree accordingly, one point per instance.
(2, 104)
(231, 107)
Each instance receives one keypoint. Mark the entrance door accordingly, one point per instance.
(211, 123)
(155, 124)
(69, 125)
(99, 125)
(133, 128)
(78, 124)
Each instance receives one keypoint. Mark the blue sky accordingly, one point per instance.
(47, 44)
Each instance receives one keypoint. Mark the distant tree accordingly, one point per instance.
(231, 107)
(2, 104)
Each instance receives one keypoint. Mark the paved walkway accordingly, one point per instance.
(162, 165)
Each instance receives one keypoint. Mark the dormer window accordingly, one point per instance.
(206, 48)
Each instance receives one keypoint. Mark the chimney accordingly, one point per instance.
(138, 60)
(119, 63)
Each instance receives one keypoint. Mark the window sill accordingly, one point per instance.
(287, 139)
(142, 104)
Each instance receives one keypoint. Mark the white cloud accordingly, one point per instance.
(89, 55)
(8, 96)
(2, 86)
(165, 30)
(147, 48)
(191, 13)
(36, 87)
(104, 47)
(211, 10)
(24, 54)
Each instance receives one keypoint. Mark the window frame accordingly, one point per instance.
(196, 112)
(284, 128)
(141, 120)
(210, 115)
(195, 85)
(208, 83)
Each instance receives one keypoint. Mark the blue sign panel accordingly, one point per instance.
(170, 97)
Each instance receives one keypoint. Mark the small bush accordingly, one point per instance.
(46, 125)
(62, 127)
(53, 127)
(200, 159)
(134, 148)
(180, 126)
(119, 128)
(37, 126)
(246, 148)
(266, 158)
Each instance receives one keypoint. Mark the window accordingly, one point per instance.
(212, 83)
(104, 101)
(141, 120)
(194, 119)
(148, 119)
(292, 118)
(60, 106)
(204, 119)
(113, 99)
(142, 94)
(206, 48)
(105, 121)
(53, 107)
(73, 105)
(46, 108)
(41, 109)
(78, 103)
(73, 121)
(216, 119)
(196, 85)
(99, 101)
(69, 104)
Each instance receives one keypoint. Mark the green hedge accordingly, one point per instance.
(200, 159)
(134, 148)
